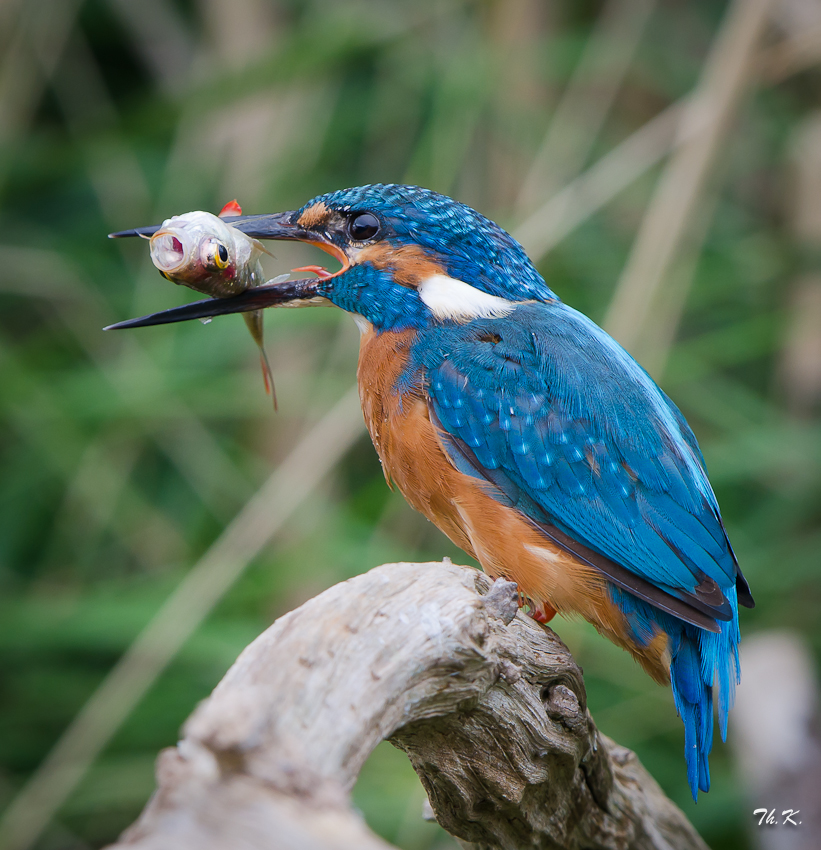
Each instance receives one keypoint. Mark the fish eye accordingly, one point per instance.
(221, 256)
(363, 226)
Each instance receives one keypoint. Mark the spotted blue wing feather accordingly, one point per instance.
(575, 435)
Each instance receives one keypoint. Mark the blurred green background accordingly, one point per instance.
(125, 454)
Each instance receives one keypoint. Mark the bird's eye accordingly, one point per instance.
(363, 226)
(221, 256)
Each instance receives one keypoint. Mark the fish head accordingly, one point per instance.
(201, 251)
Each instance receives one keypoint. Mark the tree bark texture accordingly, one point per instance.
(489, 706)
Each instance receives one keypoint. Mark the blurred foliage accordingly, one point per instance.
(125, 454)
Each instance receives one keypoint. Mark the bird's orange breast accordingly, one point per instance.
(501, 538)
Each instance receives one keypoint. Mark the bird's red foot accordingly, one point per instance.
(544, 614)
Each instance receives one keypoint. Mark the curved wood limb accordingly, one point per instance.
(489, 706)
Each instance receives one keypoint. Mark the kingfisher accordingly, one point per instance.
(522, 430)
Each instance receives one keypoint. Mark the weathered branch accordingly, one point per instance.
(489, 706)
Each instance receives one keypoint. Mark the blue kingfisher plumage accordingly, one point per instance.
(526, 433)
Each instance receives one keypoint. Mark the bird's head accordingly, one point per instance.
(410, 258)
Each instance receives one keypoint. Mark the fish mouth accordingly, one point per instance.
(279, 226)
(168, 251)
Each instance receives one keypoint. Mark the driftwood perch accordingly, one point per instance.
(489, 706)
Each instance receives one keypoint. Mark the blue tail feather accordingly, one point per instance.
(699, 662)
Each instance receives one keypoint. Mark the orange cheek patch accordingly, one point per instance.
(409, 264)
(317, 214)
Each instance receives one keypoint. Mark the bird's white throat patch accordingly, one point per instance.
(362, 323)
(449, 298)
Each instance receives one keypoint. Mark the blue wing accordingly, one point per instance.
(567, 428)
(572, 432)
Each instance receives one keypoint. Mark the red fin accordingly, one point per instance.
(319, 271)
(231, 208)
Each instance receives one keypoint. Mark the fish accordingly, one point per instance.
(201, 251)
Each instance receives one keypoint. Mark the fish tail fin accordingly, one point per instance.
(253, 321)
(268, 377)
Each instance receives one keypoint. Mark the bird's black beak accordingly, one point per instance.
(279, 226)
(269, 295)
(276, 226)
